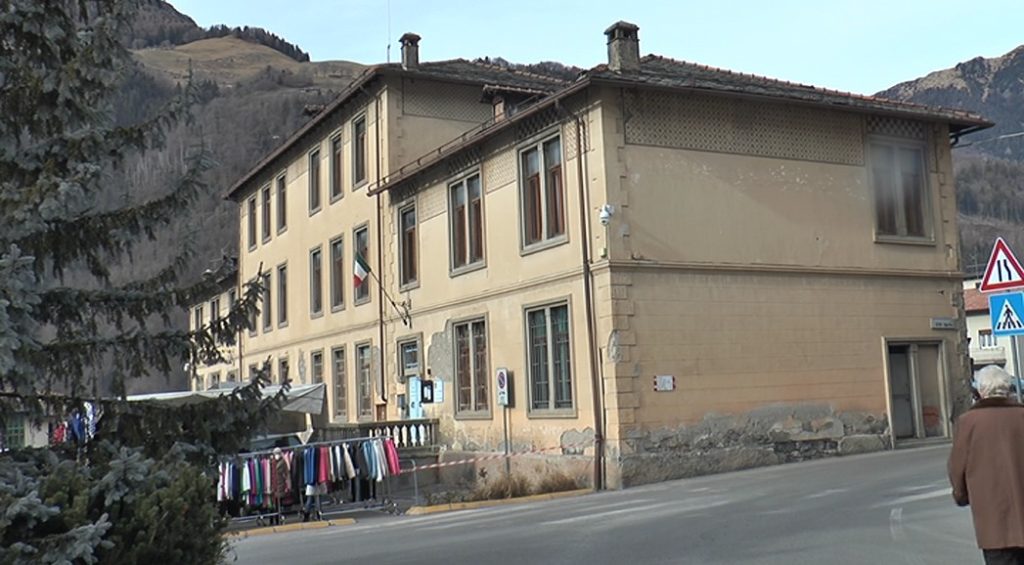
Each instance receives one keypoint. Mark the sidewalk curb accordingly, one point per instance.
(421, 510)
(242, 534)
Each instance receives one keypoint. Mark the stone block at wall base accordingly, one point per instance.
(656, 467)
(866, 443)
(769, 435)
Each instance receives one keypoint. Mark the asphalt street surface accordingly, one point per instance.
(884, 508)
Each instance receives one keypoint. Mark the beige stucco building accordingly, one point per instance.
(680, 269)
(205, 375)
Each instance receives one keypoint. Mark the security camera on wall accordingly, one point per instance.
(605, 215)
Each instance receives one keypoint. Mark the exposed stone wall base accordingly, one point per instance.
(767, 436)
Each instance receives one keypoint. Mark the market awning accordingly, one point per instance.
(307, 399)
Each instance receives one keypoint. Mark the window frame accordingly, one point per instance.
(253, 231)
(318, 292)
(266, 216)
(282, 295)
(197, 318)
(926, 201)
(340, 400)
(539, 143)
(336, 280)
(550, 411)
(336, 166)
(474, 412)
(366, 346)
(408, 266)
(282, 203)
(360, 152)
(313, 356)
(283, 369)
(466, 224)
(314, 181)
(987, 340)
(14, 424)
(214, 381)
(215, 309)
(358, 300)
(267, 303)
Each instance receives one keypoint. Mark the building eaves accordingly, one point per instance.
(663, 72)
(458, 71)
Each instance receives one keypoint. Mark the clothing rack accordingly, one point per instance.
(384, 503)
(329, 442)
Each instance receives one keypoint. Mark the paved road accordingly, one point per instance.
(885, 508)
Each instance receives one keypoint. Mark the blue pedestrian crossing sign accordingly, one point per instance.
(1006, 310)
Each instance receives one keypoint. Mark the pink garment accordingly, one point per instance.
(392, 456)
(323, 462)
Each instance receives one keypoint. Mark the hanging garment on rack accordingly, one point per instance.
(281, 476)
(221, 491)
(392, 456)
(362, 466)
(298, 471)
(76, 428)
(309, 461)
(246, 480)
(337, 464)
(268, 474)
(382, 459)
(323, 474)
(350, 470)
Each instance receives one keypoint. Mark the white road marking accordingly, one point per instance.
(679, 508)
(915, 497)
(896, 524)
(824, 493)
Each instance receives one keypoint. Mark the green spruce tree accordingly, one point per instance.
(141, 488)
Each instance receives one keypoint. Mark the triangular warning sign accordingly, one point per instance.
(1003, 270)
(1008, 319)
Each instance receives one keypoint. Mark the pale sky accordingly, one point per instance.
(855, 45)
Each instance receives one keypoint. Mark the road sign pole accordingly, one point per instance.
(1015, 344)
(504, 420)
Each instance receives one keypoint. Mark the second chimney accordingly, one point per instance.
(623, 46)
(410, 50)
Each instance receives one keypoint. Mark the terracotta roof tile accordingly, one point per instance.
(975, 301)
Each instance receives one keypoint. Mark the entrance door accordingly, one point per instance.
(902, 391)
(917, 389)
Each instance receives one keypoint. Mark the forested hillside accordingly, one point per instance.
(989, 166)
(254, 91)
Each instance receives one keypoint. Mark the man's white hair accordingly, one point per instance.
(992, 380)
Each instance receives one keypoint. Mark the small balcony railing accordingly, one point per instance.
(405, 433)
(984, 355)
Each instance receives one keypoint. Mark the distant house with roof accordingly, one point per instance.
(985, 348)
(666, 269)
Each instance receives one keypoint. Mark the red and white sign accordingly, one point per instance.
(1003, 271)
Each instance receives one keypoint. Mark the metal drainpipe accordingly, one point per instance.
(596, 384)
(380, 260)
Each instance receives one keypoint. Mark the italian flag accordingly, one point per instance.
(360, 270)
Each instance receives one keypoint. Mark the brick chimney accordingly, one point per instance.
(410, 50)
(623, 46)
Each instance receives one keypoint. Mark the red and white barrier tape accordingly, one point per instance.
(488, 457)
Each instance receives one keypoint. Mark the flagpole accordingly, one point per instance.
(401, 311)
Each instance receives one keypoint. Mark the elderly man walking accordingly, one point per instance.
(986, 468)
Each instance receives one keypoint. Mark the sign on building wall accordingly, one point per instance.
(503, 387)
